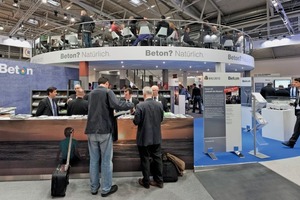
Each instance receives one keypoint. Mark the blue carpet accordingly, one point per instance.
(272, 148)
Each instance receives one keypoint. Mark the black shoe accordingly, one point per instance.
(96, 192)
(288, 144)
(112, 190)
(147, 186)
(156, 184)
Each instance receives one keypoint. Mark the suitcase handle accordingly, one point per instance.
(69, 151)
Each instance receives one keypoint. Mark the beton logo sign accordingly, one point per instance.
(4, 69)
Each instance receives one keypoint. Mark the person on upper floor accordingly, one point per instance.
(186, 36)
(116, 28)
(86, 27)
(268, 90)
(161, 23)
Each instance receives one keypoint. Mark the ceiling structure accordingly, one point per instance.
(260, 19)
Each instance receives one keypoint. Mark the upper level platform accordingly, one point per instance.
(150, 57)
(171, 44)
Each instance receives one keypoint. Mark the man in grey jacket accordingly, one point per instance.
(99, 129)
(148, 116)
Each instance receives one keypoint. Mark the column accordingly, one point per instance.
(84, 74)
(165, 78)
(184, 79)
(220, 67)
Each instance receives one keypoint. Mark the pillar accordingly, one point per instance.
(184, 79)
(165, 78)
(220, 67)
(84, 74)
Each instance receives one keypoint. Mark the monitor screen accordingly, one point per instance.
(284, 82)
(72, 83)
(94, 85)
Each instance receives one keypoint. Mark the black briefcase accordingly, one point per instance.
(59, 181)
(60, 177)
(170, 173)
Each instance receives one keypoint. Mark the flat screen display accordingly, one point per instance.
(72, 83)
(284, 82)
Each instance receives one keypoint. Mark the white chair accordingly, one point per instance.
(171, 39)
(128, 36)
(162, 34)
(115, 38)
(73, 41)
(144, 30)
(228, 45)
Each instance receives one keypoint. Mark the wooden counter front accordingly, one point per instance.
(29, 147)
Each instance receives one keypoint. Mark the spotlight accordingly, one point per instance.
(259, 33)
(284, 36)
(65, 16)
(55, 13)
(18, 38)
(268, 38)
(275, 37)
(16, 3)
(10, 36)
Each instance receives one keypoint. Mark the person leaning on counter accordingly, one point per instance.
(48, 105)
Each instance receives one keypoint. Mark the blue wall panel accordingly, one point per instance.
(15, 89)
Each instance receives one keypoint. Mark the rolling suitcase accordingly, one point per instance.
(60, 177)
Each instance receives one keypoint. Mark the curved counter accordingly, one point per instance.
(29, 147)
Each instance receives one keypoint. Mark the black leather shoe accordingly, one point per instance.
(147, 186)
(112, 190)
(96, 192)
(288, 144)
(156, 184)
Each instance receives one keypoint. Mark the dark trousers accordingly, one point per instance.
(154, 152)
(197, 100)
(296, 133)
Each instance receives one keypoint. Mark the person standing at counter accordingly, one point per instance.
(159, 98)
(196, 96)
(48, 105)
(99, 129)
(78, 106)
(148, 117)
(292, 141)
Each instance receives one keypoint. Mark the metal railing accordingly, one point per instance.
(201, 35)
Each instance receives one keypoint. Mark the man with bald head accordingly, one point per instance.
(159, 98)
(78, 106)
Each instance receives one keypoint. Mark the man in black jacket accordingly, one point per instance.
(148, 117)
(292, 141)
(99, 129)
(48, 105)
(86, 28)
(268, 90)
(78, 106)
(197, 98)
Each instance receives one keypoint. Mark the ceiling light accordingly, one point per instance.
(46, 24)
(16, 3)
(72, 19)
(44, 1)
(1, 28)
(68, 8)
(190, 67)
(33, 21)
(156, 66)
(53, 2)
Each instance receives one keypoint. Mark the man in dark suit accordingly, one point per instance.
(148, 117)
(78, 106)
(48, 105)
(282, 92)
(293, 90)
(268, 90)
(292, 141)
(128, 97)
(197, 98)
(160, 98)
